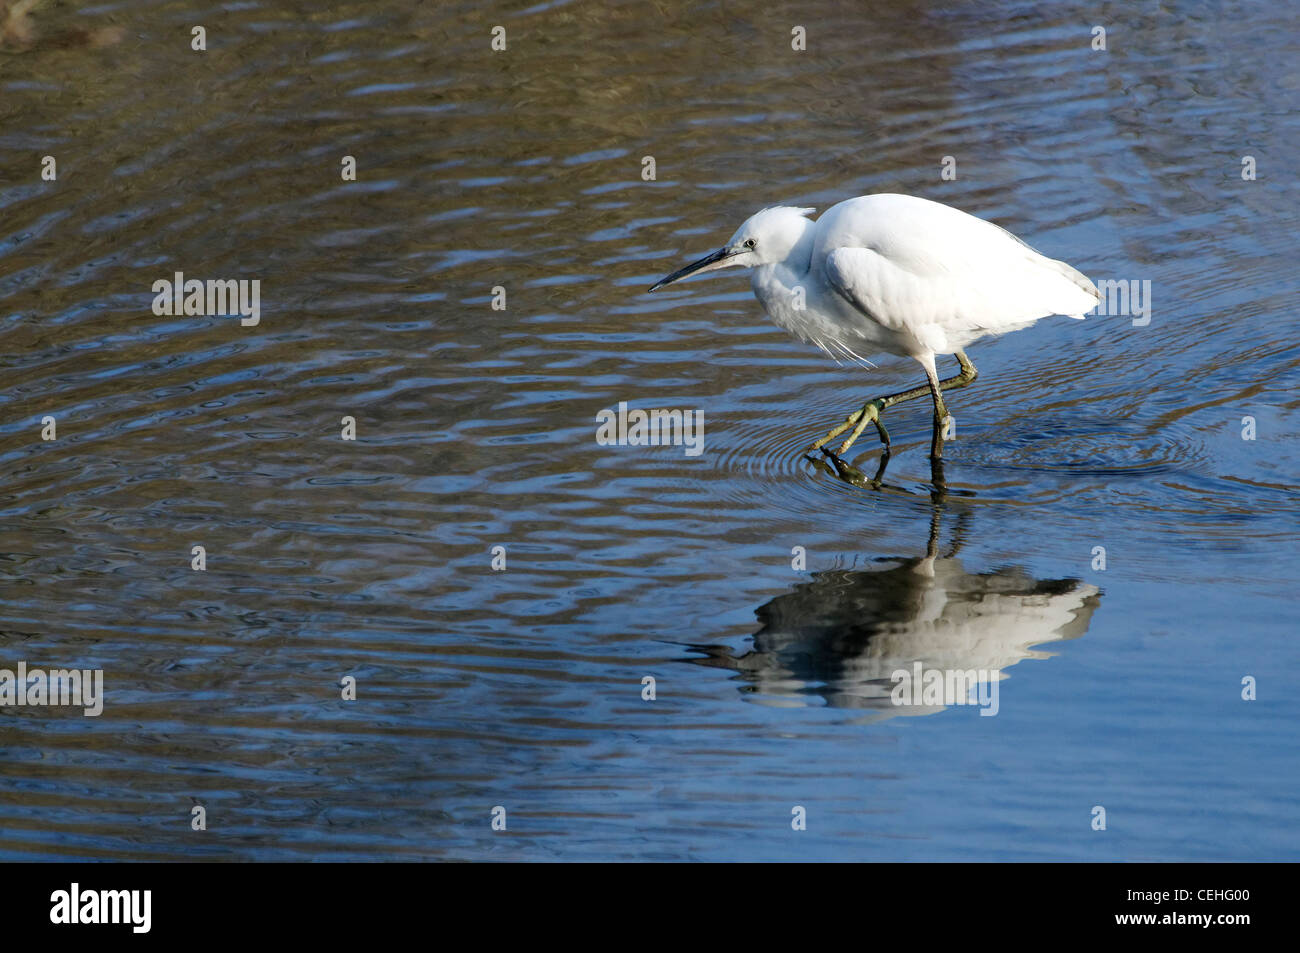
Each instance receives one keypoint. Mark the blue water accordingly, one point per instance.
(521, 688)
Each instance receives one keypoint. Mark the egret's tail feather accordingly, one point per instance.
(1075, 275)
(1080, 280)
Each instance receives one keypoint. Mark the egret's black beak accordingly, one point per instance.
(707, 263)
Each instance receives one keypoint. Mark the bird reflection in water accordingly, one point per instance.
(842, 637)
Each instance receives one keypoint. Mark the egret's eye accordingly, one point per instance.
(749, 243)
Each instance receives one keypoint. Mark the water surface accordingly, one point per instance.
(522, 688)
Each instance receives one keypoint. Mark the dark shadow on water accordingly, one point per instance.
(840, 638)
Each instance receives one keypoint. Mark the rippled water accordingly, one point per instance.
(476, 428)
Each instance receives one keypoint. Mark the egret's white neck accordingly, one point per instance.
(787, 267)
(799, 257)
(781, 286)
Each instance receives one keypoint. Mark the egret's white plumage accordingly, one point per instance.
(897, 274)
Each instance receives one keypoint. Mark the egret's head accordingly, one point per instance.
(767, 237)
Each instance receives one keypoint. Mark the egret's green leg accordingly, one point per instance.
(940, 416)
(870, 412)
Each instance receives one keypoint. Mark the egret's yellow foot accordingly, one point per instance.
(858, 420)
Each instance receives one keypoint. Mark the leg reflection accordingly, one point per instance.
(847, 472)
(939, 493)
(834, 465)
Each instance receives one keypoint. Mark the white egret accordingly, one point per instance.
(897, 274)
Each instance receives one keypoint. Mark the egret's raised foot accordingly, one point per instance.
(858, 420)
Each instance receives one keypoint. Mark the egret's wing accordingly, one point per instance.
(922, 268)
